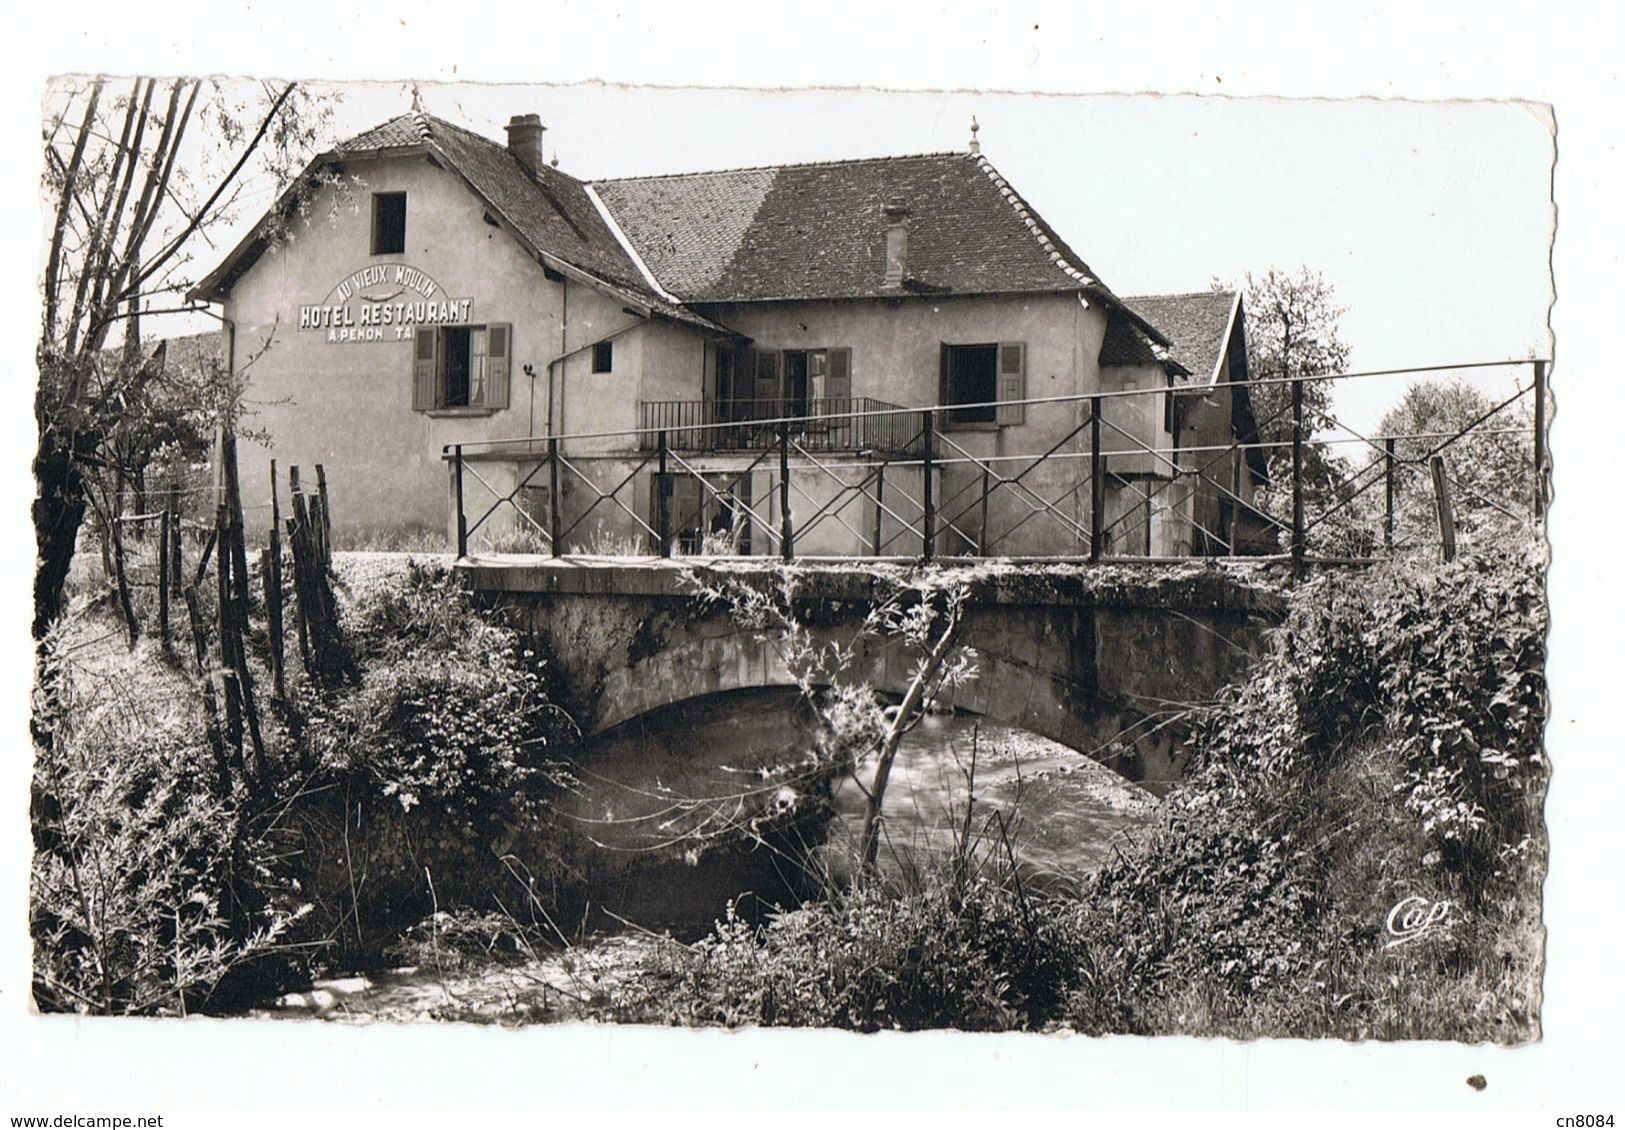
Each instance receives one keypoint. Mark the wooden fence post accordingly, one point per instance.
(211, 709)
(1299, 533)
(273, 593)
(1447, 515)
(1388, 489)
(163, 577)
(325, 527)
(1540, 439)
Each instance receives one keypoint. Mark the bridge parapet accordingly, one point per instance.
(1098, 659)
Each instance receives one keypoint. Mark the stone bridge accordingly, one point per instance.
(1102, 659)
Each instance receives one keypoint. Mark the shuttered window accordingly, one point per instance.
(767, 383)
(838, 384)
(498, 364)
(1012, 383)
(425, 371)
(984, 384)
(462, 367)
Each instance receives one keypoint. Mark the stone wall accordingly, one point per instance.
(1093, 659)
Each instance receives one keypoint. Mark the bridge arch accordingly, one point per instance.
(1083, 665)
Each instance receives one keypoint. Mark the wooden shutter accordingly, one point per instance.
(425, 369)
(767, 383)
(838, 384)
(1012, 383)
(498, 364)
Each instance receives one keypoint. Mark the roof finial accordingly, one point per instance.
(555, 161)
(417, 99)
(975, 146)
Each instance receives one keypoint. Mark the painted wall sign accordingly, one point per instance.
(384, 302)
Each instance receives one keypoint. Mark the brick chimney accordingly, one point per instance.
(525, 139)
(896, 213)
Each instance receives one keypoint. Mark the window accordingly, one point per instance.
(990, 380)
(711, 518)
(603, 357)
(388, 223)
(461, 367)
(816, 382)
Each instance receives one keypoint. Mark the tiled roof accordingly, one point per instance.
(1197, 325)
(550, 210)
(1124, 344)
(189, 351)
(406, 130)
(812, 231)
(194, 351)
(817, 231)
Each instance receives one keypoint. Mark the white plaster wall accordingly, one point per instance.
(349, 406)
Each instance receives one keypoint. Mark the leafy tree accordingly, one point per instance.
(1292, 331)
(1491, 466)
(134, 179)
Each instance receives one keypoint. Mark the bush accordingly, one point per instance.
(450, 713)
(1444, 662)
(431, 777)
(969, 950)
(1389, 746)
(148, 886)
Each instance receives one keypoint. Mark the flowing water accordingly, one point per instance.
(699, 767)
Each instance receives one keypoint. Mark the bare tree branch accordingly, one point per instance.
(53, 259)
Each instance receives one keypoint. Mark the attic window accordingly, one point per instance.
(388, 223)
(603, 357)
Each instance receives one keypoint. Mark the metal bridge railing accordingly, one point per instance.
(904, 482)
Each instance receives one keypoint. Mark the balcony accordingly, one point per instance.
(848, 424)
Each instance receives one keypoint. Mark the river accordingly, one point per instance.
(695, 767)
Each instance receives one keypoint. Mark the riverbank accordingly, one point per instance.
(1065, 815)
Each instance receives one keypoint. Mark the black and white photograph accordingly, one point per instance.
(530, 554)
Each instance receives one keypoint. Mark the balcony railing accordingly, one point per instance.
(849, 423)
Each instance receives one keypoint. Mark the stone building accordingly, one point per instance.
(432, 290)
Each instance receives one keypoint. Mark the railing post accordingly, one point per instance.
(462, 519)
(1540, 439)
(787, 533)
(1097, 484)
(662, 506)
(1388, 508)
(929, 464)
(981, 533)
(1298, 532)
(880, 498)
(555, 522)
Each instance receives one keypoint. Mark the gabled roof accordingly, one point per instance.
(1203, 326)
(810, 231)
(816, 231)
(1198, 325)
(1125, 344)
(551, 213)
